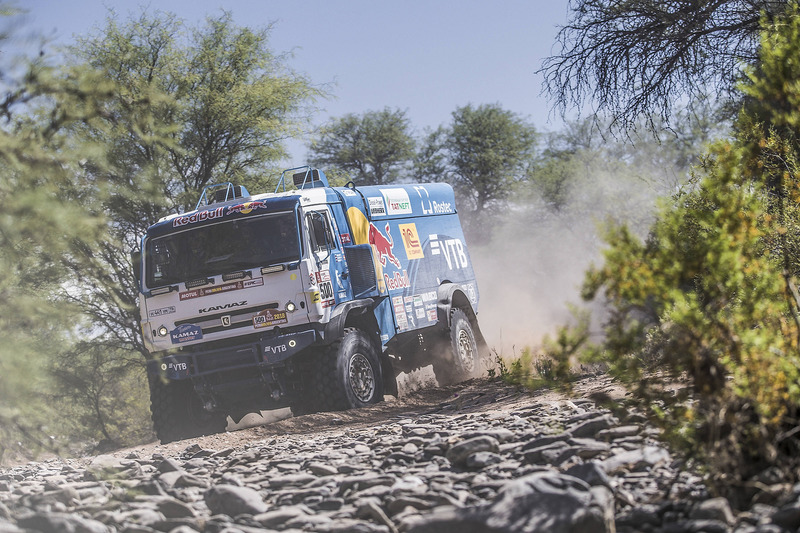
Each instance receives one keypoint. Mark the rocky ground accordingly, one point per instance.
(480, 456)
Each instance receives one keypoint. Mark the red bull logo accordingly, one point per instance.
(383, 245)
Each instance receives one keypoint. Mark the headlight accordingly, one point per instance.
(163, 331)
(290, 307)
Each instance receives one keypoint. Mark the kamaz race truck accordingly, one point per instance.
(312, 297)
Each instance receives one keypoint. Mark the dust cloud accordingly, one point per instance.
(533, 265)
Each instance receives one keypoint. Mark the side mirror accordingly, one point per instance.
(136, 261)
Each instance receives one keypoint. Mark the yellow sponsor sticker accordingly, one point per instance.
(410, 237)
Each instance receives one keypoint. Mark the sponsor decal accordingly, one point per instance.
(417, 301)
(397, 281)
(376, 207)
(432, 316)
(197, 217)
(175, 366)
(430, 296)
(432, 207)
(253, 283)
(397, 202)
(383, 245)
(420, 312)
(345, 238)
(326, 290)
(471, 291)
(205, 291)
(411, 243)
(312, 279)
(348, 192)
(322, 276)
(452, 249)
(315, 299)
(328, 303)
(186, 333)
(268, 317)
(402, 320)
(441, 208)
(281, 348)
(161, 311)
(246, 207)
(221, 307)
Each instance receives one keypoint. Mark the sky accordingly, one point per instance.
(426, 57)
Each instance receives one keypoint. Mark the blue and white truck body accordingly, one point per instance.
(313, 297)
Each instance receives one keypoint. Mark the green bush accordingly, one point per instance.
(704, 319)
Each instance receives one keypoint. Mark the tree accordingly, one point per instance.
(482, 153)
(42, 223)
(635, 58)
(213, 107)
(710, 297)
(374, 147)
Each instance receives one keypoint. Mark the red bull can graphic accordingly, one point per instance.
(383, 245)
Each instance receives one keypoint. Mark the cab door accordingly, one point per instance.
(329, 273)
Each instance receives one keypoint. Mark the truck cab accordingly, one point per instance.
(312, 297)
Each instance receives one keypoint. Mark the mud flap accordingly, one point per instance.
(389, 378)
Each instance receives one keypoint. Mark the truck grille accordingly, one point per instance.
(209, 362)
(240, 318)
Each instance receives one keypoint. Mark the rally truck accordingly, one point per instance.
(312, 297)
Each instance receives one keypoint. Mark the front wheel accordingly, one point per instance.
(460, 360)
(347, 375)
(178, 412)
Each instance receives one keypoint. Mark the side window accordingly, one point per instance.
(320, 232)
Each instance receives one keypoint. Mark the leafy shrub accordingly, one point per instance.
(709, 299)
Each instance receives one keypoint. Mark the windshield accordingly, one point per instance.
(225, 247)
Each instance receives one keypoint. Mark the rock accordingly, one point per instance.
(590, 428)
(480, 460)
(714, 509)
(277, 517)
(173, 508)
(542, 501)
(62, 523)
(233, 501)
(592, 473)
(635, 459)
(788, 516)
(458, 453)
(618, 432)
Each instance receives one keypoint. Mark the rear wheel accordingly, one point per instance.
(178, 413)
(460, 359)
(346, 375)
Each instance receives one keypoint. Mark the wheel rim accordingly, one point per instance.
(362, 378)
(466, 351)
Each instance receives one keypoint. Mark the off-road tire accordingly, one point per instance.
(346, 375)
(178, 413)
(459, 359)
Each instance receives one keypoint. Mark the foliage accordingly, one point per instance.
(635, 58)
(213, 107)
(483, 153)
(554, 363)
(41, 222)
(93, 152)
(373, 147)
(710, 296)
